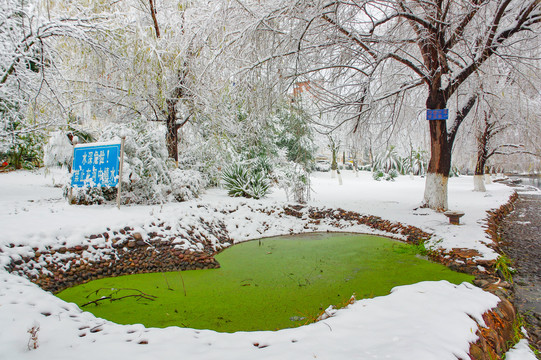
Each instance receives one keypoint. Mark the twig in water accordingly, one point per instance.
(183, 286)
(167, 282)
(139, 295)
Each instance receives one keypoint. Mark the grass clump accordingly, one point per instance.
(504, 268)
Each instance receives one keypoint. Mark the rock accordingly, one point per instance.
(480, 283)
(476, 352)
(137, 236)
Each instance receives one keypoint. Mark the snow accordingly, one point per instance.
(96, 144)
(521, 351)
(428, 320)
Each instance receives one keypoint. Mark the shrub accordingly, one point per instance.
(91, 196)
(145, 178)
(295, 182)
(416, 163)
(241, 181)
(393, 174)
(186, 184)
(58, 151)
(259, 185)
(387, 160)
(23, 151)
(378, 175)
(322, 166)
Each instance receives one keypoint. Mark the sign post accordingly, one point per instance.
(122, 140)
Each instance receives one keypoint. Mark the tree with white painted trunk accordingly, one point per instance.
(362, 52)
(506, 117)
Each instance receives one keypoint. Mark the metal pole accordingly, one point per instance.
(120, 171)
(70, 193)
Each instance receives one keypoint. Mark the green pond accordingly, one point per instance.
(267, 284)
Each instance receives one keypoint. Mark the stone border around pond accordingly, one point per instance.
(123, 252)
(496, 336)
(126, 251)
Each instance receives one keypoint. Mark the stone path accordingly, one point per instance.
(521, 235)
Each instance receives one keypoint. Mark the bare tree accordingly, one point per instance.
(162, 71)
(179, 92)
(29, 62)
(503, 123)
(362, 52)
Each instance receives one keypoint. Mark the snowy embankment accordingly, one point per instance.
(429, 320)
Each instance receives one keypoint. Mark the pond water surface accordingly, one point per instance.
(267, 284)
(532, 180)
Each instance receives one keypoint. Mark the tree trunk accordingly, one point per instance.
(334, 163)
(177, 94)
(479, 183)
(171, 138)
(483, 140)
(478, 177)
(435, 196)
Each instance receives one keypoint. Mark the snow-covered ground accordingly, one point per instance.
(429, 320)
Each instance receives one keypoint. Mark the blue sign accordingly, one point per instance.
(438, 114)
(95, 165)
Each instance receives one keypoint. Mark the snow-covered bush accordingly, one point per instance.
(235, 179)
(204, 150)
(387, 161)
(391, 175)
(295, 182)
(322, 166)
(22, 151)
(90, 196)
(366, 167)
(416, 163)
(58, 151)
(239, 180)
(378, 175)
(145, 178)
(259, 184)
(186, 184)
(265, 145)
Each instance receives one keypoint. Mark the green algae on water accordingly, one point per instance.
(269, 284)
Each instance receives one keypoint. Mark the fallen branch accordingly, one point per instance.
(111, 297)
